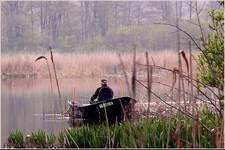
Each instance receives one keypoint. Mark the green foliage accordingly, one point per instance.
(145, 133)
(85, 136)
(208, 117)
(38, 139)
(51, 140)
(61, 139)
(211, 63)
(16, 139)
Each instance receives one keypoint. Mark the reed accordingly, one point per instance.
(50, 79)
(49, 72)
(149, 80)
(125, 74)
(54, 68)
(134, 72)
(191, 100)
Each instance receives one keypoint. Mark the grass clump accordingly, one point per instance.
(16, 139)
(38, 139)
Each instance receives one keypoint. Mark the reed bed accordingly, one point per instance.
(82, 64)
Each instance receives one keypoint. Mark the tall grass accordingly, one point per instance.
(144, 133)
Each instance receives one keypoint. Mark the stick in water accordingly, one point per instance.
(57, 82)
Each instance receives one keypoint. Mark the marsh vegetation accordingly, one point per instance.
(174, 71)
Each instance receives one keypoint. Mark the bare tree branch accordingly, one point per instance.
(185, 32)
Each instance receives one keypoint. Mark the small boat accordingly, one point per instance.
(111, 111)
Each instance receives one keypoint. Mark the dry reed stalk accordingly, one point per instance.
(57, 82)
(185, 60)
(178, 109)
(179, 80)
(149, 81)
(50, 79)
(133, 79)
(121, 88)
(49, 72)
(182, 53)
(191, 100)
(73, 100)
(125, 75)
(178, 54)
(177, 137)
(188, 79)
(174, 79)
(153, 61)
(74, 94)
(217, 137)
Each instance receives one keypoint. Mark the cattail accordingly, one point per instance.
(185, 59)
(134, 73)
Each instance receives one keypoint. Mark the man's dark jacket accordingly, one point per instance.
(103, 93)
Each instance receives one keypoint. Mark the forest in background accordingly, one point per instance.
(84, 26)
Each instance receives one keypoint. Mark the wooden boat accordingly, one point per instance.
(114, 110)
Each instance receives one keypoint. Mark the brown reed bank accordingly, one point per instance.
(69, 65)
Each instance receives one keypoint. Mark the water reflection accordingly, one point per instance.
(28, 105)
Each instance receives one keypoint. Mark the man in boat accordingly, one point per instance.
(102, 93)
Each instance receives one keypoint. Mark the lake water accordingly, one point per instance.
(28, 105)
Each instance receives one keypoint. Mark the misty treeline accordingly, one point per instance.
(98, 25)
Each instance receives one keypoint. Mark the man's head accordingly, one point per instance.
(103, 82)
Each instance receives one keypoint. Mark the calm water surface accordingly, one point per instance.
(28, 105)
